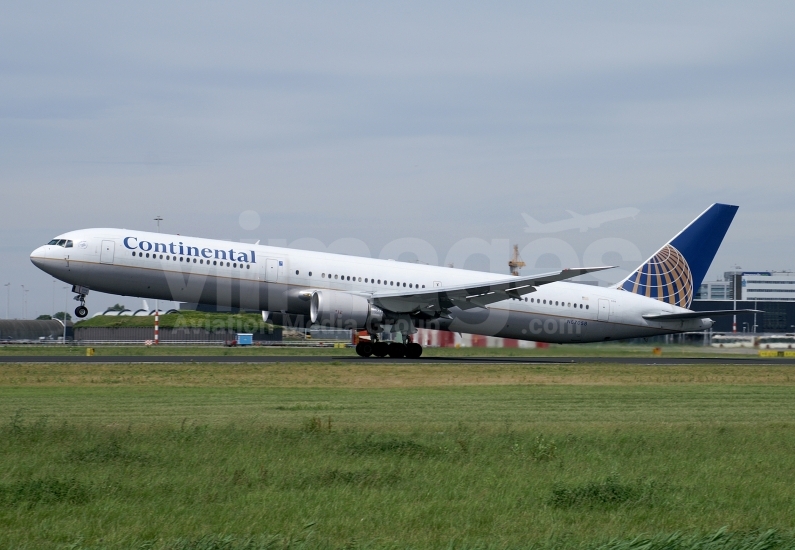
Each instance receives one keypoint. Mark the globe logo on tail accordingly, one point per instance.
(666, 277)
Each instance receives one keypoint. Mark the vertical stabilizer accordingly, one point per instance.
(673, 273)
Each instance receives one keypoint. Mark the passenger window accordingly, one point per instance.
(310, 273)
(296, 272)
(586, 307)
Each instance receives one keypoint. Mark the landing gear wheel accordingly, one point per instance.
(396, 350)
(364, 349)
(413, 350)
(380, 349)
(81, 311)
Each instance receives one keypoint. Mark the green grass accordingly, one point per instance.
(598, 457)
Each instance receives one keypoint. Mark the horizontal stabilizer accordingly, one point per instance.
(697, 314)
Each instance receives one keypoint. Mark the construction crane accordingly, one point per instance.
(516, 263)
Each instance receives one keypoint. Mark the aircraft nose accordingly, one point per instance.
(38, 256)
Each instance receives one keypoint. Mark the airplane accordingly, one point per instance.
(578, 221)
(304, 288)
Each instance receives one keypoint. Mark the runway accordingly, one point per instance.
(351, 360)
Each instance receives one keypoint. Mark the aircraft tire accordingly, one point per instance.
(380, 349)
(413, 350)
(397, 350)
(81, 311)
(364, 349)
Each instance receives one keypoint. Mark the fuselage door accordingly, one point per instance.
(273, 269)
(107, 251)
(604, 310)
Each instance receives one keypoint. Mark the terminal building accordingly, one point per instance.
(772, 292)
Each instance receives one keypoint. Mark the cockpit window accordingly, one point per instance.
(61, 242)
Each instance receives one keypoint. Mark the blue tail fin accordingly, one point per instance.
(678, 268)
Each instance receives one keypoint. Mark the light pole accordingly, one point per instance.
(65, 302)
(158, 219)
(25, 297)
(8, 300)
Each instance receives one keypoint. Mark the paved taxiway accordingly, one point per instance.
(749, 361)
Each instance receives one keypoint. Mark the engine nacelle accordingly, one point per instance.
(343, 310)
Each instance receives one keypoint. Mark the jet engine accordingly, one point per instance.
(343, 310)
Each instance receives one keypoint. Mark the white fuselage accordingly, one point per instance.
(256, 277)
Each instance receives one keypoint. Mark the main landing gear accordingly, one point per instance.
(81, 291)
(395, 350)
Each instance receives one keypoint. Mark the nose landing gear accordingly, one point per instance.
(81, 291)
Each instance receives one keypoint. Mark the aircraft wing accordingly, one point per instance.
(697, 314)
(475, 295)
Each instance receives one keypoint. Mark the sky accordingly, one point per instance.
(413, 129)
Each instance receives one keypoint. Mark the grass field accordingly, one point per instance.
(396, 456)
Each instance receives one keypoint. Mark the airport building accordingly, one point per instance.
(760, 286)
(772, 292)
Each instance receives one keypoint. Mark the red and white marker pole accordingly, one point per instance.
(157, 326)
